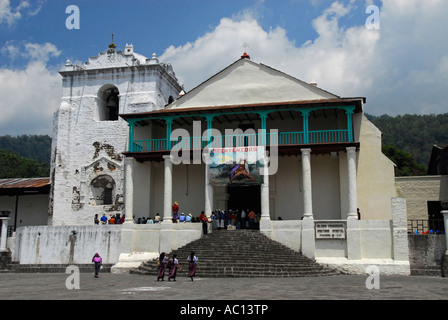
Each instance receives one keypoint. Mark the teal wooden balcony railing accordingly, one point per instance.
(227, 141)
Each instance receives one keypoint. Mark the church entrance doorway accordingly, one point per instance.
(245, 198)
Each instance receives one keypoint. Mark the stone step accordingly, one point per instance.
(241, 253)
(429, 271)
(216, 271)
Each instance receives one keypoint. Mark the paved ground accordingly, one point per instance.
(44, 286)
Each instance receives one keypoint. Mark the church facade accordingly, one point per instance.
(127, 140)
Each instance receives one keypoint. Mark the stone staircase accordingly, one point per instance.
(241, 253)
(427, 271)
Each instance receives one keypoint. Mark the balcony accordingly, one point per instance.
(226, 141)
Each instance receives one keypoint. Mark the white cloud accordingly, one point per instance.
(29, 95)
(336, 59)
(10, 15)
(392, 66)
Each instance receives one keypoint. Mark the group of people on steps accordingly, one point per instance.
(164, 263)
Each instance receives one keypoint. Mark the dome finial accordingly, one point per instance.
(112, 45)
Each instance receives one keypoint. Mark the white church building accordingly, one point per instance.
(127, 139)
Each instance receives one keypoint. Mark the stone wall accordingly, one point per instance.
(419, 190)
(426, 250)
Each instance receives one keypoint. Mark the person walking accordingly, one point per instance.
(173, 265)
(161, 264)
(98, 263)
(192, 260)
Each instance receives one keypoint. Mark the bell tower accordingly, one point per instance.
(89, 136)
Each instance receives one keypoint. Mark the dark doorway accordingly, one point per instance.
(435, 216)
(244, 197)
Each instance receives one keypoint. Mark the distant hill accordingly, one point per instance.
(15, 166)
(413, 134)
(36, 147)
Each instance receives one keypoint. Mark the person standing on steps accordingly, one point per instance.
(175, 211)
(173, 264)
(205, 222)
(161, 264)
(192, 260)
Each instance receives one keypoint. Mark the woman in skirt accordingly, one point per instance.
(192, 260)
(98, 263)
(162, 261)
(173, 265)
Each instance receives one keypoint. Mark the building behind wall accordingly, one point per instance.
(425, 194)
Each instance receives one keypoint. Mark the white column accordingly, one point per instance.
(265, 221)
(4, 234)
(353, 224)
(208, 206)
(352, 187)
(307, 187)
(129, 190)
(308, 243)
(265, 198)
(168, 190)
(445, 220)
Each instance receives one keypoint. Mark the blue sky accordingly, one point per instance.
(402, 67)
(152, 26)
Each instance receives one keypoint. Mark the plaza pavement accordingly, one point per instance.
(53, 286)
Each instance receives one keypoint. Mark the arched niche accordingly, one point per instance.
(108, 103)
(103, 189)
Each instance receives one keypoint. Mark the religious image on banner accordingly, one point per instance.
(236, 166)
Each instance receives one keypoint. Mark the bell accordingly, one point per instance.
(112, 99)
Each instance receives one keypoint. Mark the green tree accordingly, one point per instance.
(414, 134)
(37, 147)
(15, 166)
(404, 161)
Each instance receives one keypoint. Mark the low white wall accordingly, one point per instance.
(66, 244)
(287, 232)
(77, 244)
(158, 237)
(331, 248)
(376, 239)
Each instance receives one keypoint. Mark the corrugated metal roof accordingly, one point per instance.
(21, 183)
